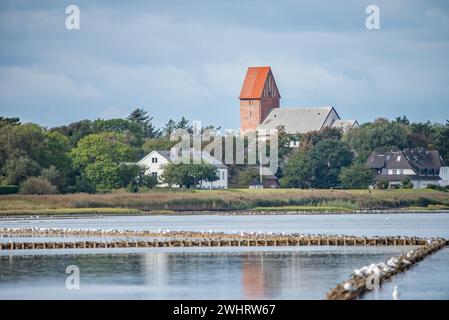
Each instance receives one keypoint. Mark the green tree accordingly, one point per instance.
(55, 177)
(183, 124)
(356, 176)
(298, 171)
(17, 170)
(9, 121)
(382, 133)
(442, 141)
(157, 144)
(142, 119)
(189, 175)
(169, 127)
(407, 183)
(37, 185)
(318, 166)
(98, 156)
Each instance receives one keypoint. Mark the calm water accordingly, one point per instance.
(224, 273)
(191, 274)
(425, 224)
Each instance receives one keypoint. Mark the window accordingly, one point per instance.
(398, 159)
(401, 171)
(154, 174)
(153, 160)
(222, 175)
(395, 171)
(388, 157)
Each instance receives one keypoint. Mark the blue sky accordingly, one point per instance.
(189, 58)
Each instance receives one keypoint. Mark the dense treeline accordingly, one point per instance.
(329, 159)
(98, 155)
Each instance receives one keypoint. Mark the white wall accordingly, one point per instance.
(444, 175)
(152, 167)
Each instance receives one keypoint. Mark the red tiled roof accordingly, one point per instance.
(254, 82)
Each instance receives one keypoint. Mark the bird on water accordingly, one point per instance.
(396, 294)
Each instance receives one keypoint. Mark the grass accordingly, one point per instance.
(225, 200)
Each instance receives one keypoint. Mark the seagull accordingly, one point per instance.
(396, 294)
(347, 286)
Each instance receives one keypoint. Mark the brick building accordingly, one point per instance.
(260, 108)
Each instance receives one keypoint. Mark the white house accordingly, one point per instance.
(154, 163)
(420, 165)
(444, 176)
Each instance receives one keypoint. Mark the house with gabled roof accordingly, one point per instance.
(155, 161)
(422, 166)
(260, 108)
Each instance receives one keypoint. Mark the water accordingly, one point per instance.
(224, 273)
(416, 224)
(429, 279)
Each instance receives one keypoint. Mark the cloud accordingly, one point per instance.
(189, 59)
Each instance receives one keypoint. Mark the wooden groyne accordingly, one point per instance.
(123, 239)
(361, 280)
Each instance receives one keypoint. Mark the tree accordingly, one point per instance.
(327, 133)
(55, 152)
(407, 183)
(183, 124)
(76, 131)
(442, 141)
(16, 170)
(141, 117)
(298, 171)
(318, 166)
(37, 185)
(98, 156)
(422, 135)
(157, 144)
(382, 133)
(129, 175)
(169, 127)
(356, 176)
(55, 177)
(134, 132)
(189, 175)
(9, 121)
(102, 146)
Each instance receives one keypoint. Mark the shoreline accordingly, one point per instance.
(117, 212)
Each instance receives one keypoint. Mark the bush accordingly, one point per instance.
(406, 183)
(438, 187)
(382, 184)
(37, 185)
(356, 176)
(8, 189)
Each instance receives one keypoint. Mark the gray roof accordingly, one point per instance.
(400, 177)
(344, 124)
(415, 159)
(297, 120)
(206, 157)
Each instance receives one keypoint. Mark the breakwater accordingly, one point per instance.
(367, 278)
(167, 238)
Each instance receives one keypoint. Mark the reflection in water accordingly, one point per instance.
(305, 273)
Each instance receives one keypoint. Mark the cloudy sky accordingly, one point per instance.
(189, 58)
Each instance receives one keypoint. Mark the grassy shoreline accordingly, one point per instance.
(241, 201)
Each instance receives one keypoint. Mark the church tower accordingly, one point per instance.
(259, 95)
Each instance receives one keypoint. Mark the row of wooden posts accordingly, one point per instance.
(358, 285)
(195, 239)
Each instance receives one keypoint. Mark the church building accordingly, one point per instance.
(260, 108)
